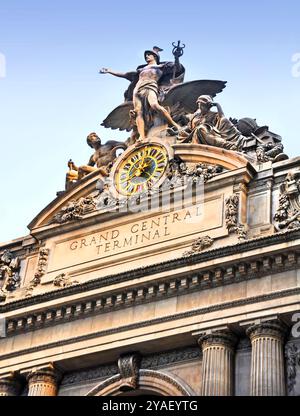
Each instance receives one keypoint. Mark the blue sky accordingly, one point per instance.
(52, 96)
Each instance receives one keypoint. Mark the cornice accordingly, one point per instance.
(156, 321)
(131, 275)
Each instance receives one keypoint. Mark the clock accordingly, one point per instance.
(141, 167)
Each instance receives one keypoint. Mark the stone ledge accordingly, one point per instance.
(149, 292)
(156, 321)
(198, 258)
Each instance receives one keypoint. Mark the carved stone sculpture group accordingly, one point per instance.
(159, 102)
(9, 273)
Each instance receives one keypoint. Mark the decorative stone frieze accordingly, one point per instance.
(9, 273)
(232, 217)
(75, 210)
(171, 357)
(267, 361)
(231, 212)
(76, 377)
(288, 212)
(41, 270)
(181, 173)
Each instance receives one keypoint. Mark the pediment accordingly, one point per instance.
(82, 189)
(63, 209)
(195, 153)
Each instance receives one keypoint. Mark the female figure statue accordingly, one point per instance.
(210, 127)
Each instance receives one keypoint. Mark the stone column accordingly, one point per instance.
(9, 385)
(217, 364)
(267, 360)
(43, 381)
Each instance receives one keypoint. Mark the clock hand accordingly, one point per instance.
(128, 178)
(139, 168)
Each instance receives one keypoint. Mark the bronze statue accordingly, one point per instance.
(210, 127)
(146, 81)
(156, 89)
(260, 141)
(102, 159)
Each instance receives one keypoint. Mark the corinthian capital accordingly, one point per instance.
(43, 381)
(274, 329)
(218, 338)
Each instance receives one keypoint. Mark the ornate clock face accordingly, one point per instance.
(141, 169)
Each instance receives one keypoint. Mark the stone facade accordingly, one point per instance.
(195, 300)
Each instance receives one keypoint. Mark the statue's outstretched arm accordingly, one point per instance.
(126, 75)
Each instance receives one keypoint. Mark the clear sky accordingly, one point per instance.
(52, 97)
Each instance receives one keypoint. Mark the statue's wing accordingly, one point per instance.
(119, 118)
(186, 94)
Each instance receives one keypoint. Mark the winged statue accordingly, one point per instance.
(157, 89)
